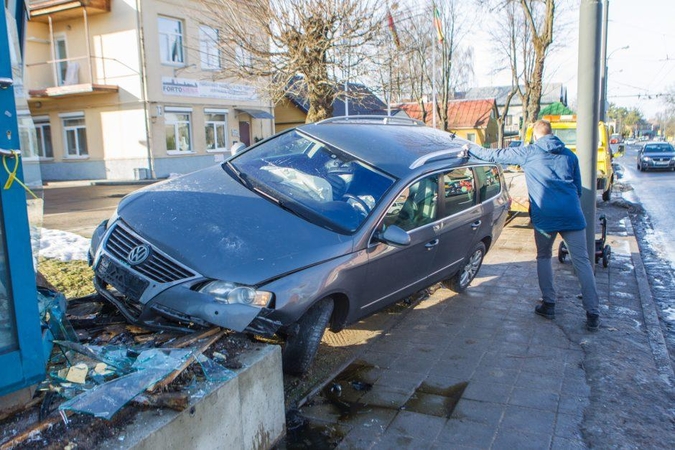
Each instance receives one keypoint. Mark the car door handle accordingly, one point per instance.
(432, 244)
(475, 225)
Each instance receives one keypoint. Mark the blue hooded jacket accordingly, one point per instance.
(553, 181)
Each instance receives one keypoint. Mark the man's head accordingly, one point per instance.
(540, 129)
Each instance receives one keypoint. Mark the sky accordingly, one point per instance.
(637, 76)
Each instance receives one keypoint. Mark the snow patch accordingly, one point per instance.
(63, 245)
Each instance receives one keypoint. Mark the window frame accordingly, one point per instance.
(41, 123)
(209, 48)
(224, 124)
(166, 59)
(443, 206)
(78, 139)
(176, 127)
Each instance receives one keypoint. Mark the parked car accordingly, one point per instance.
(656, 155)
(316, 226)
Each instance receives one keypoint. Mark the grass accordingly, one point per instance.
(72, 278)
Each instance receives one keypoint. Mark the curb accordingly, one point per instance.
(650, 314)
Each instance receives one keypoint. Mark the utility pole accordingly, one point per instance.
(603, 61)
(588, 93)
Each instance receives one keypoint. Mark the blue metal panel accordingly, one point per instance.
(24, 364)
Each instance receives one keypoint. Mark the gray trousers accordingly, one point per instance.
(576, 245)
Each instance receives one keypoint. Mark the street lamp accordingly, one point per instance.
(604, 105)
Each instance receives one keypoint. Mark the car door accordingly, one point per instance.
(459, 221)
(396, 272)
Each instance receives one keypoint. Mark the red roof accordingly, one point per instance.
(461, 113)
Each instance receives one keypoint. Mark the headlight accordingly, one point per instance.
(229, 293)
(645, 158)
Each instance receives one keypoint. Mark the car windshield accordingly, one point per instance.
(312, 179)
(658, 148)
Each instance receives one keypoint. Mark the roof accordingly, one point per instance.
(556, 108)
(391, 147)
(551, 92)
(461, 113)
(361, 100)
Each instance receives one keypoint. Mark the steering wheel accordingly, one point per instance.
(358, 204)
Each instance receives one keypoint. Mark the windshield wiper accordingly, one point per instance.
(241, 176)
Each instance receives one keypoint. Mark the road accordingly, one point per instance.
(79, 207)
(655, 192)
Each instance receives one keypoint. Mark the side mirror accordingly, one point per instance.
(393, 235)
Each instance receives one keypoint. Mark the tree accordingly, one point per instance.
(618, 114)
(538, 22)
(411, 64)
(510, 38)
(271, 42)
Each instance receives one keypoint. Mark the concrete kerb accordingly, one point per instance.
(650, 314)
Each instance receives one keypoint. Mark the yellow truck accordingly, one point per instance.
(565, 128)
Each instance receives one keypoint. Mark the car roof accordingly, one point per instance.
(392, 147)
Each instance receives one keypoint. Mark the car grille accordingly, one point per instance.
(157, 267)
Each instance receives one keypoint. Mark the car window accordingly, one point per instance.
(658, 148)
(333, 188)
(415, 206)
(459, 191)
(489, 182)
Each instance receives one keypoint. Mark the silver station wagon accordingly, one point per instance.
(315, 227)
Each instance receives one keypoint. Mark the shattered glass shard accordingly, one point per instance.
(150, 367)
(213, 371)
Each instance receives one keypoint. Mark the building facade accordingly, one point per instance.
(124, 89)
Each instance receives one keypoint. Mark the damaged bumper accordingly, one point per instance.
(158, 293)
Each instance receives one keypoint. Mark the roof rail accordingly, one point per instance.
(422, 160)
(385, 120)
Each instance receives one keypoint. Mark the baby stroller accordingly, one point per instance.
(602, 250)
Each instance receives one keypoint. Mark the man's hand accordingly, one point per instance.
(465, 151)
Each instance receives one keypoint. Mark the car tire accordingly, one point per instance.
(607, 195)
(470, 266)
(301, 347)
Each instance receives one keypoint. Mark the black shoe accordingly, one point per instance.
(545, 309)
(592, 322)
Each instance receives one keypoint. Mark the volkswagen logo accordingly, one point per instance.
(138, 254)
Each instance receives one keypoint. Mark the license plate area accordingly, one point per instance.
(125, 282)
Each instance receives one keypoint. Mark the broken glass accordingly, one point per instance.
(150, 367)
(52, 307)
(213, 371)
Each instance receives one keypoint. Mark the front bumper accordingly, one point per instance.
(660, 164)
(169, 305)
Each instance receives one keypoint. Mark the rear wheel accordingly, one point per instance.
(301, 347)
(463, 278)
(562, 252)
(607, 195)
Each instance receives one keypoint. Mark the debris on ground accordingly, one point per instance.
(100, 365)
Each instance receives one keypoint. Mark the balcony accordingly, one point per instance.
(58, 10)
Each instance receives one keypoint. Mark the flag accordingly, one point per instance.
(439, 25)
(392, 28)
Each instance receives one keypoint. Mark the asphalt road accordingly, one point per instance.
(78, 207)
(656, 193)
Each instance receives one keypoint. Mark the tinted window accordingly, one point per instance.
(415, 206)
(658, 148)
(459, 191)
(489, 183)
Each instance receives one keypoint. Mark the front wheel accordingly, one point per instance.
(301, 347)
(463, 278)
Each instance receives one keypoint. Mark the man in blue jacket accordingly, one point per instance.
(554, 187)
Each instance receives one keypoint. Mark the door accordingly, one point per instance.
(61, 55)
(460, 220)
(396, 272)
(245, 133)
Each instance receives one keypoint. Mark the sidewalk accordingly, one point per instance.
(481, 370)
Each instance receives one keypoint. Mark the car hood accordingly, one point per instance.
(214, 225)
